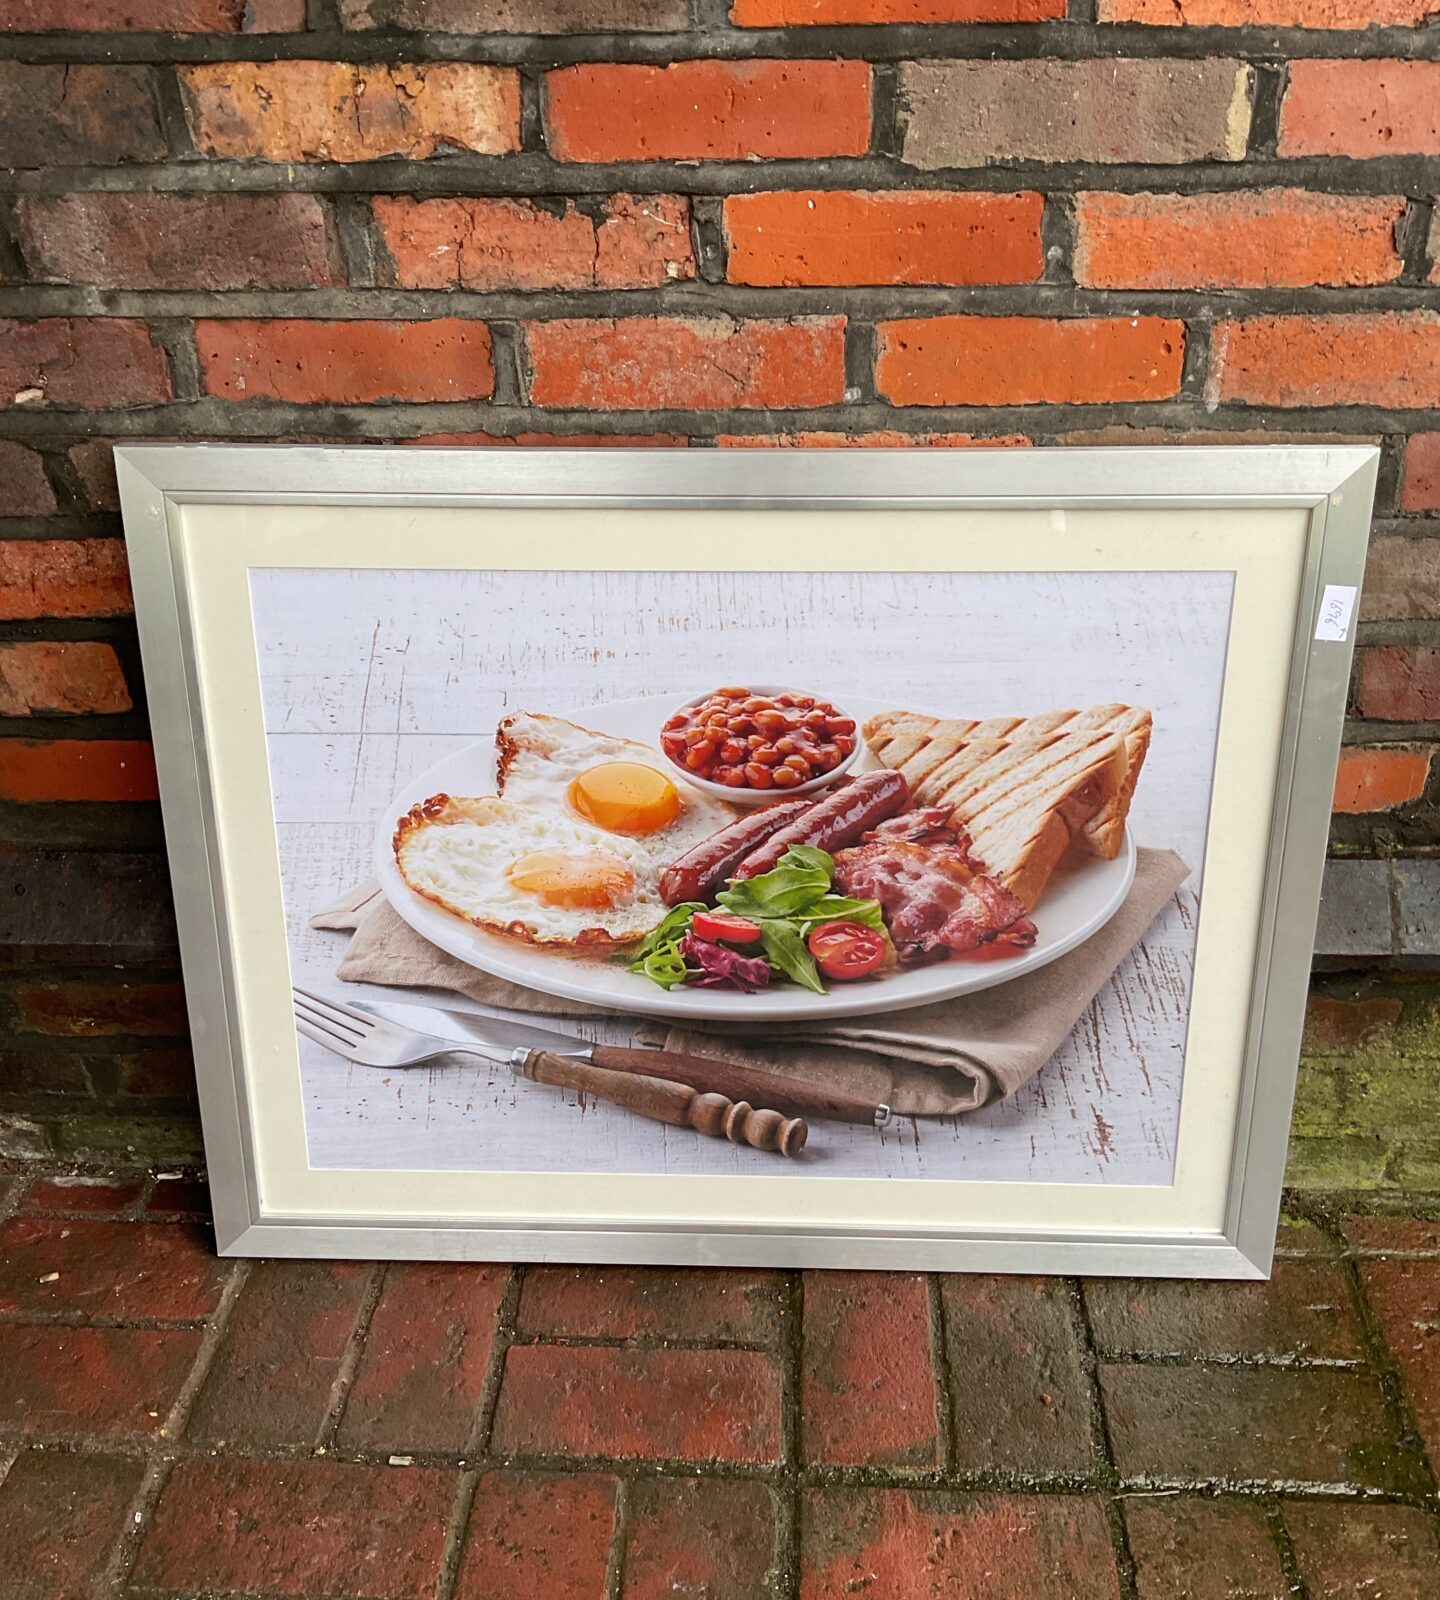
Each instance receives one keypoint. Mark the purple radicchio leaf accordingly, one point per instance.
(723, 968)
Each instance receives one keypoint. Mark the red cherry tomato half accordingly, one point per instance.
(719, 927)
(845, 950)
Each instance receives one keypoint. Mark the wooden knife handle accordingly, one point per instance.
(676, 1103)
(742, 1083)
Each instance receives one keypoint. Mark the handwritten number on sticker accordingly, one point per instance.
(1336, 606)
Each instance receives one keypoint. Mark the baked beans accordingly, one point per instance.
(745, 740)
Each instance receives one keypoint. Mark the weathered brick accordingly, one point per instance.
(338, 111)
(1271, 13)
(108, 1269)
(426, 1357)
(685, 363)
(77, 769)
(1402, 579)
(180, 241)
(41, 1071)
(90, 363)
(1347, 1551)
(185, 1197)
(1400, 683)
(58, 1519)
(1204, 1550)
(1019, 1393)
(1238, 1424)
(75, 115)
(519, 16)
(838, 236)
(708, 111)
(153, 16)
(46, 678)
(999, 361)
(63, 578)
(1347, 1027)
(1369, 779)
(742, 1305)
(1304, 1310)
(876, 439)
(1361, 108)
(285, 1339)
(1368, 359)
(918, 1543)
(81, 1009)
(867, 1375)
(694, 1405)
(828, 13)
(347, 363)
(27, 491)
(1354, 910)
(1417, 904)
(972, 113)
(298, 1528)
(1405, 1296)
(707, 1538)
(82, 1195)
(107, 1383)
(86, 906)
(1420, 485)
(560, 441)
(477, 243)
(1386, 1236)
(1272, 238)
(537, 1537)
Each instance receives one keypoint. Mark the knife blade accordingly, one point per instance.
(706, 1073)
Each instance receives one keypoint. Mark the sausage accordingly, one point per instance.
(705, 867)
(838, 819)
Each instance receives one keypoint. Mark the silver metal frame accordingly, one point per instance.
(1335, 485)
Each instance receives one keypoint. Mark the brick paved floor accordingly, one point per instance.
(173, 1425)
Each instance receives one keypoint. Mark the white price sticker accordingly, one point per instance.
(1336, 604)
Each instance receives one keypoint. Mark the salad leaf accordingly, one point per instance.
(801, 877)
(659, 958)
(841, 908)
(722, 968)
(785, 950)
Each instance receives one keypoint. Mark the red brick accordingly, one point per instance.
(1021, 1398)
(80, 1009)
(1361, 108)
(311, 1528)
(922, 1543)
(1385, 1236)
(1347, 1027)
(693, 1405)
(560, 441)
(163, 1270)
(1402, 579)
(1271, 14)
(1380, 359)
(77, 769)
(1303, 1311)
(426, 1358)
(537, 1537)
(867, 1377)
(1379, 779)
(87, 362)
(877, 439)
(186, 1197)
(1420, 485)
(740, 1305)
(153, 16)
(285, 1339)
(1273, 238)
(74, 115)
(829, 13)
(686, 364)
(159, 1070)
(347, 363)
(1400, 683)
(46, 678)
(27, 489)
(1405, 1296)
(82, 1195)
(107, 1383)
(1204, 1550)
(63, 578)
(837, 236)
(59, 1516)
(1000, 361)
(520, 16)
(708, 111)
(712, 1539)
(180, 241)
(338, 111)
(1345, 1552)
(637, 242)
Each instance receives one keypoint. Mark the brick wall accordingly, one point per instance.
(672, 222)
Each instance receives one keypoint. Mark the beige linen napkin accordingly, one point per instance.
(937, 1060)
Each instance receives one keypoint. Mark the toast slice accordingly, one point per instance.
(1026, 788)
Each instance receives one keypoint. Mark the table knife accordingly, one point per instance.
(708, 1074)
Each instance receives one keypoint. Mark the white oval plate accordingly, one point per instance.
(1077, 902)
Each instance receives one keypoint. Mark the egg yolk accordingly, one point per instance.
(625, 797)
(577, 882)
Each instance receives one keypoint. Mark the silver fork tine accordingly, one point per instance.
(336, 1010)
(331, 1041)
(318, 1019)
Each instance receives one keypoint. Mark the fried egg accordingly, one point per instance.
(571, 850)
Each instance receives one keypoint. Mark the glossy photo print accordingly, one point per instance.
(917, 856)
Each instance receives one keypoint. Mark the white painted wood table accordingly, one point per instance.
(370, 677)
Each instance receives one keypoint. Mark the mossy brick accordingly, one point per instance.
(107, 1135)
(1405, 1296)
(1203, 1549)
(1344, 1552)
(1392, 1236)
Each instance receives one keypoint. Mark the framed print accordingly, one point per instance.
(810, 858)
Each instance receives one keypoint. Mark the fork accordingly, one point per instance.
(377, 1042)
